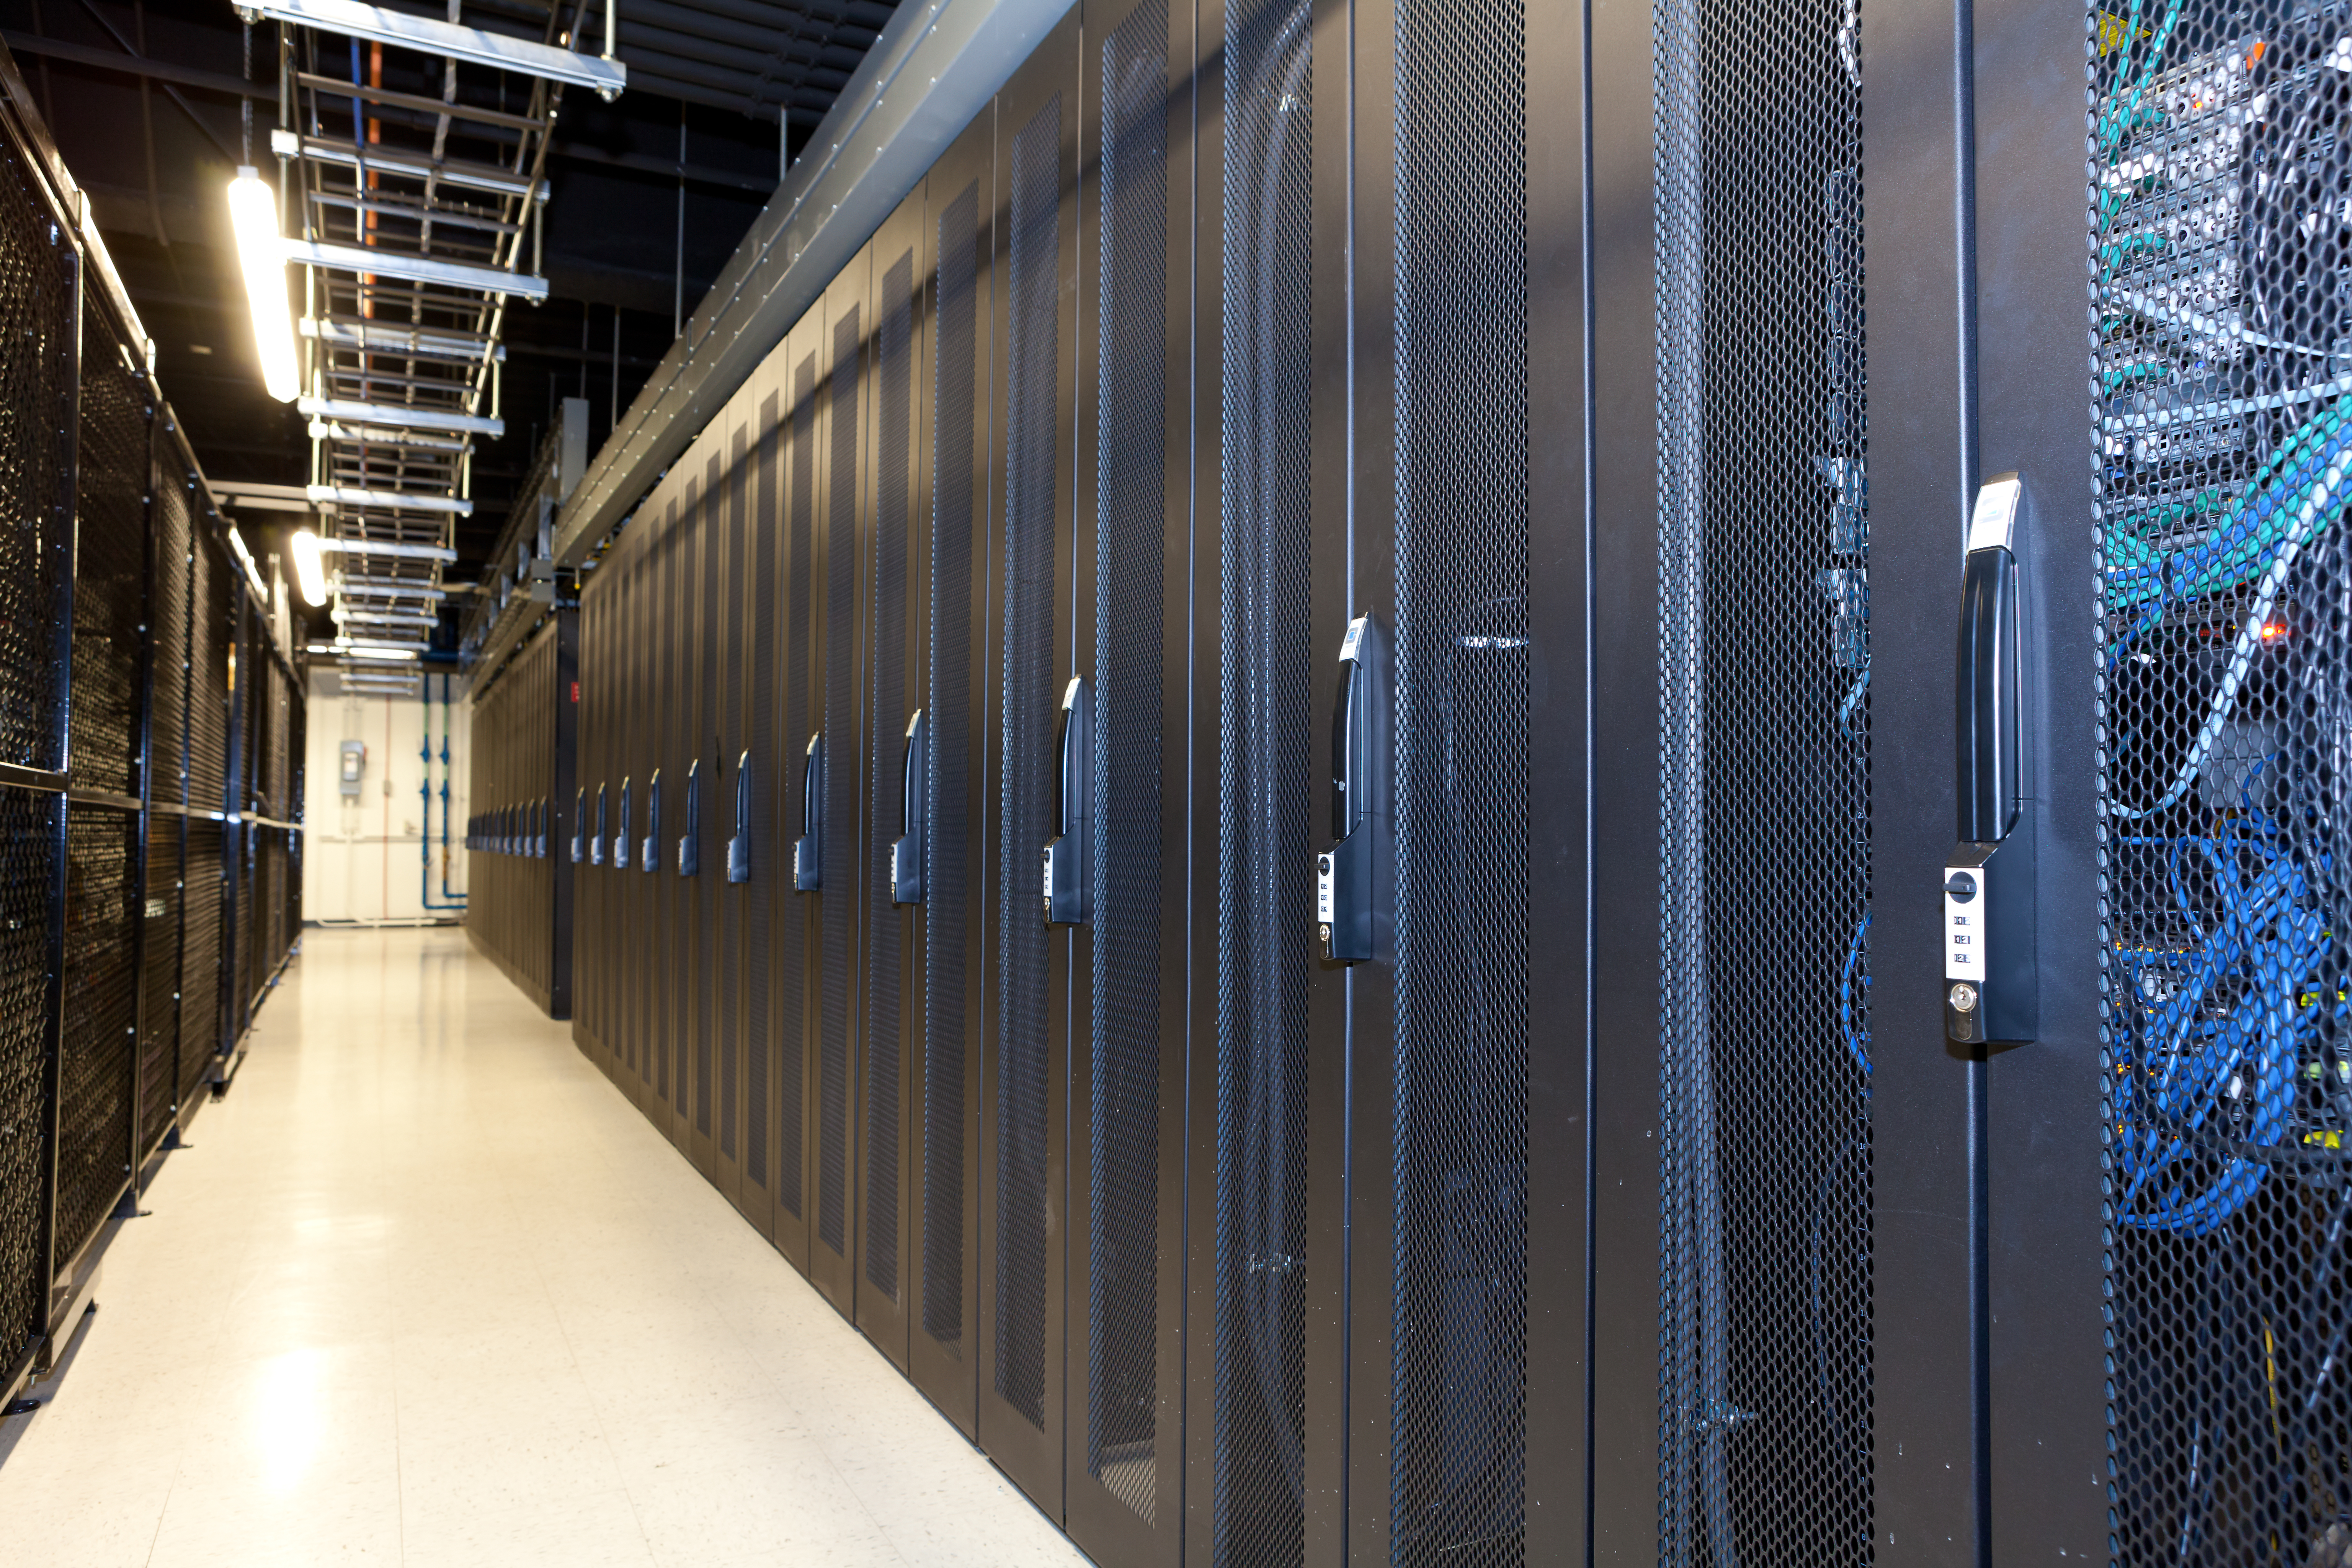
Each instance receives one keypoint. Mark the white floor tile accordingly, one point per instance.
(427, 1289)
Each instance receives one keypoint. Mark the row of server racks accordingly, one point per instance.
(1241, 795)
(151, 773)
(520, 870)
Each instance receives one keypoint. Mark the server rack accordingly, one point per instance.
(961, 430)
(520, 903)
(799, 927)
(760, 797)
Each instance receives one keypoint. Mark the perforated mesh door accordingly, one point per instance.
(109, 565)
(894, 453)
(955, 363)
(792, 960)
(27, 920)
(1025, 1048)
(718, 804)
(2222, 320)
(838, 904)
(101, 1007)
(1764, 1238)
(169, 608)
(701, 616)
(1266, 671)
(1129, 937)
(766, 826)
(37, 315)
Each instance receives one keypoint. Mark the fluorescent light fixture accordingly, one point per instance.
(309, 567)
(369, 650)
(252, 212)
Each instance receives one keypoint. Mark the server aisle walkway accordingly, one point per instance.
(426, 1290)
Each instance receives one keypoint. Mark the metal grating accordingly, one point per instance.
(1265, 916)
(765, 829)
(2218, 255)
(946, 888)
(837, 905)
(110, 471)
(160, 959)
(1459, 1182)
(791, 967)
(38, 287)
(894, 391)
(29, 839)
(1764, 1241)
(102, 1008)
(1023, 1196)
(1130, 570)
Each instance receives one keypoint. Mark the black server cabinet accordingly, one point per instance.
(893, 662)
(1132, 637)
(798, 925)
(834, 829)
(665, 812)
(695, 638)
(590, 945)
(1039, 976)
(944, 1022)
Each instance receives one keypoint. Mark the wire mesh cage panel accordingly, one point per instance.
(110, 564)
(2222, 323)
(28, 851)
(1132, 937)
(95, 1072)
(1022, 1196)
(1266, 921)
(38, 280)
(958, 336)
(1764, 1376)
(212, 585)
(894, 455)
(158, 961)
(201, 1017)
(168, 609)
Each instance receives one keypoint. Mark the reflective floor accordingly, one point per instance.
(426, 1289)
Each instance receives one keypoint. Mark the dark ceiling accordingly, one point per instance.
(143, 97)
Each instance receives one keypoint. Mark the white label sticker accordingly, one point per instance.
(1964, 925)
(1354, 634)
(1327, 901)
(1049, 871)
(1992, 523)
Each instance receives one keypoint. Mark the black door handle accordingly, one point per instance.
(596, 844)
(690, 845)
(1991, 983)
(808, 850)
(906, 852)
(739, 848)
(1352, 898)
(649, 852)
(1065, 854)
(628, 814)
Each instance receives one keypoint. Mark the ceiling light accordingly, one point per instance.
(364, 650)
(252, 212)
(309, 567)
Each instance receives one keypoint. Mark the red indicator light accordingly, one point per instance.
(2273, 630)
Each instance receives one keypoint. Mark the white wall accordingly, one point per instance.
(360, 859)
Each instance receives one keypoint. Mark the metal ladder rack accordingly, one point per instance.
(415, 217)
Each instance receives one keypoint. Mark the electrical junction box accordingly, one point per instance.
(354, 764)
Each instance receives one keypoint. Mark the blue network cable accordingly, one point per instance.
(1857, 1041)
